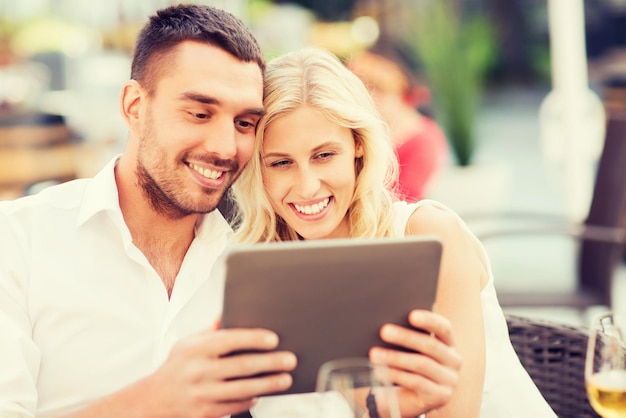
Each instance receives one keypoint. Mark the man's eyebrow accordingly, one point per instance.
(204, 99)
(198, 97)
(257, 111)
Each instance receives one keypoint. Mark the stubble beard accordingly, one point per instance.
(168, 198)
(160, 201)
(167, 195)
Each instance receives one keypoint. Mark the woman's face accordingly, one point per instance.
(309, 172)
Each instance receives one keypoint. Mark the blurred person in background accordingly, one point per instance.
(420, 144)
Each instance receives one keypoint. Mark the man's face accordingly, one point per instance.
(197, 129)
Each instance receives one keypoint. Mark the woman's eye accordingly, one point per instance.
(325, 155)
(280, 163)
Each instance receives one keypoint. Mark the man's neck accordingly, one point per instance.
(163, 241)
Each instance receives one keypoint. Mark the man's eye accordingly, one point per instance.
(245, 124)
(200, 116)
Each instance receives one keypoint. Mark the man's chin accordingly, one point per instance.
(211, 202)
(191, 207)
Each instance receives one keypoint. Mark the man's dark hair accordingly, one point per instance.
(187, 22)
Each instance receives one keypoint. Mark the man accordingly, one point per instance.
(107, 307)
(108, 301)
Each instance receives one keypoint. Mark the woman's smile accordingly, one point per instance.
(312, 211)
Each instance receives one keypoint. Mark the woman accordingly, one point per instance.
(322, 167)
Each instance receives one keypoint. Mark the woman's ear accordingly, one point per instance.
(130, 104)
(358, 151)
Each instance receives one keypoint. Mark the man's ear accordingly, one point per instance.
(130, 104)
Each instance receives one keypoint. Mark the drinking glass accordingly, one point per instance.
(605, 368)
(354, 387)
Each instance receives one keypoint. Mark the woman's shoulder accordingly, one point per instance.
(421, 204)
(430, 217)
(427, 216)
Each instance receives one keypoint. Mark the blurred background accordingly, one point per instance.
(521, 89)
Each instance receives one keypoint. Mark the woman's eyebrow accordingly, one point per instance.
(314, 150)
(326, 145)
(274, 154)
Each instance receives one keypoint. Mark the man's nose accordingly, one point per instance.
(221, 139)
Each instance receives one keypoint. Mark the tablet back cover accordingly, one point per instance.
(327, 299)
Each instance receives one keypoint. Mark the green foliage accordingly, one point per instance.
(258, 8)
(455, 53)
(541, 64)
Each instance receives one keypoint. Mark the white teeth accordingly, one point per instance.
(313, 209)
(205, 172)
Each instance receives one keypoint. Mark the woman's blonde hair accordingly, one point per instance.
(317, 78)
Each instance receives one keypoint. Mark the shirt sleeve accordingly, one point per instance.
(19, 355)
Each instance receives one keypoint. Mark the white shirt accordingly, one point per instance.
(82, 312)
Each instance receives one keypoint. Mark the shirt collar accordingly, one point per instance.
(101, 195)
(213, 223)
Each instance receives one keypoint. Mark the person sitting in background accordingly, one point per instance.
(420, 144)
(322, 167)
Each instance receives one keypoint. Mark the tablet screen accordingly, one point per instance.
(327, 299)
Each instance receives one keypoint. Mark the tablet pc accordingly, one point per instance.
(327, 299)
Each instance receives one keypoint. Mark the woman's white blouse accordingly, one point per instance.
(508, 390)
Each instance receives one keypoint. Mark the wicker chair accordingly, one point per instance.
(554, 356)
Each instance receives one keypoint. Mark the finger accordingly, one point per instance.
(253, 387)
(414, 364)
(432, 323)
(226, 341)
(419, 392)
(252, 364)
(421, 385)
(418, 342)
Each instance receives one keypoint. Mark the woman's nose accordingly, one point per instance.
(307, 182)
